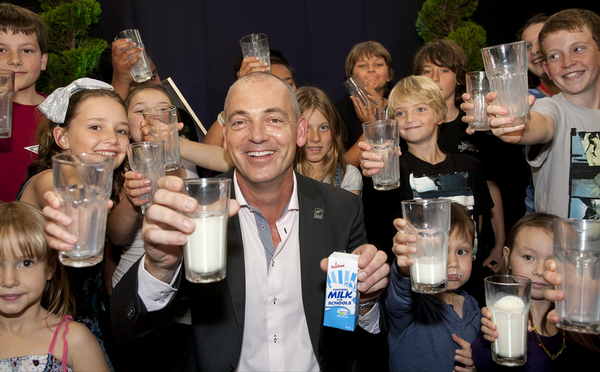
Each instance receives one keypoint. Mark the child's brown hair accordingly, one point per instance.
(16, 19)
(572, 20)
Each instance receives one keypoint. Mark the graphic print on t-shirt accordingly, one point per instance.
(449, 186)
(584, 178)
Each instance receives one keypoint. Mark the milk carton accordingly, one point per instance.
(342, 297)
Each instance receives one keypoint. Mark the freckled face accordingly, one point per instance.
(573, 62)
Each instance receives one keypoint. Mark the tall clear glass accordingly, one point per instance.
(83, 185)
(429, 221)
(384, 138)
(508, 297)
(163, 125)
(577, 257)
(506, 69)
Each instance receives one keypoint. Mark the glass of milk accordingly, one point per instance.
(205, 253)
(577, 256)
(429, 221)
(508, 298)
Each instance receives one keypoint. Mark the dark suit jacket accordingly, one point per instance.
(331, 220)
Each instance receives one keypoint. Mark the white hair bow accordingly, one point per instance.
(55, 105)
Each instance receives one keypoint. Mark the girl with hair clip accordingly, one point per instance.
(322, 157)
(528, 246)
(373, 63)
(84, 117)
(36, 332)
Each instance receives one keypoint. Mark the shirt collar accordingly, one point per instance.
(291, 205)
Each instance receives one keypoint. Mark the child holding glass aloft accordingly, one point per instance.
(433, 332)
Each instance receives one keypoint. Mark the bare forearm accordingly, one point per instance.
(121, 221)
(206, 156)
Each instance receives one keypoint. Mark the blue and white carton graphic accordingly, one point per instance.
(341, 295)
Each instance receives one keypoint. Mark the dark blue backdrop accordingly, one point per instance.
(196, 41)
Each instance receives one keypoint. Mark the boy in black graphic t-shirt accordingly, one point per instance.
(426, 171)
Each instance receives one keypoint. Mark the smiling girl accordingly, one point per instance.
(322, 156)
(35, 299)
(93, 121)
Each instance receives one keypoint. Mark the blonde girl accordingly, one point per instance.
(322, 157)
(36, 332)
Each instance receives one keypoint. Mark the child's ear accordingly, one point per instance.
(60, 137)
(44, 62)
(506, 255)
(51, 270)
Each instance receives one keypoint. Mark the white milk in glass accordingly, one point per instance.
(510, 316)
(205, 250)
(428, 270)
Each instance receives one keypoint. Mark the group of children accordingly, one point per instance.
(36, 298)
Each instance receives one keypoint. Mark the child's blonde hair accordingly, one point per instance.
(22, 224)
(418, 89)
(310, 98)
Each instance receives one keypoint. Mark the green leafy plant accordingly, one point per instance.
(72, 54)
(441, 19)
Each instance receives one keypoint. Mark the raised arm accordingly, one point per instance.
(539, 130)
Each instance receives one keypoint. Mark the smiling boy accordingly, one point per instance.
(426, 171)
(23, 48)
(563, 135)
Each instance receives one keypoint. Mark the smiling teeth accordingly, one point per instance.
(573, 74)
(537, 60)
(106, 153)
(259, 153)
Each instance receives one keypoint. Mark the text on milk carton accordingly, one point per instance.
(341, 297)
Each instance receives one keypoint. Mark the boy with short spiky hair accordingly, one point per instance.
(23, 49)
(563, 136)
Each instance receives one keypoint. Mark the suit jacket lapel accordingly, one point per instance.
(236, 276)
(313, 244)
